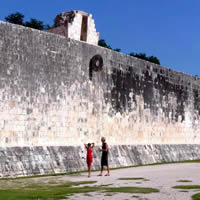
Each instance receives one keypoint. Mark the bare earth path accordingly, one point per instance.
(162, 177)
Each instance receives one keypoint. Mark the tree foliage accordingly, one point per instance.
(154, 59)
(34, 23)
(117, 49)
(143, 56)
(18, 18)
(15, 18)
(103, 43)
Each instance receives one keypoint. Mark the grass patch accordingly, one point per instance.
(184, 181)
(187, 187)
(105, 185)
(40, 185)
(45, 191)
(132, 190)
(134, 179)
(36, 191)
(196, 196)
(53, 193)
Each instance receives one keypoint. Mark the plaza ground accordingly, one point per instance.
(162, 177)
(143, 183)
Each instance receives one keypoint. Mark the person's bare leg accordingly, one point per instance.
(88, 169)
(108, 171)
(101, 174)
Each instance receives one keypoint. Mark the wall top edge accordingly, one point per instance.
(117, 54)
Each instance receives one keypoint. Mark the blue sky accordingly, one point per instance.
(168, 29)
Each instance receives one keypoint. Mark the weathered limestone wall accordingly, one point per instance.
(28, 161)
(92, 34)
(53, 94)
(74, 28)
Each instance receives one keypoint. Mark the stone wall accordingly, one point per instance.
(28, 161)
(54, 92)
(57, 94)
(74, 28)
(92, 34)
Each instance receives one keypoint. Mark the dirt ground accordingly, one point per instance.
(162, 177)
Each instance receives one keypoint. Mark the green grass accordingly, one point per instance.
(184, 181)
(43, 191)
(105, 185)
(196, 196)
(132, 190)
(133, 179)
(187, 187)
(53, 193)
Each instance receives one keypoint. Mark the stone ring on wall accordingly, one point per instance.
(96, 64)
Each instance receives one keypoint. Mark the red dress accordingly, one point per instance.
(89, 156)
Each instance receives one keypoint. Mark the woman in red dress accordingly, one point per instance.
(89, 160)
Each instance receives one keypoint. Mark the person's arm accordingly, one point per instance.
(105, 150)
(86, 146)
(93, 145)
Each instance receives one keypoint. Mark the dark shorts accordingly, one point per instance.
(104, 160)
